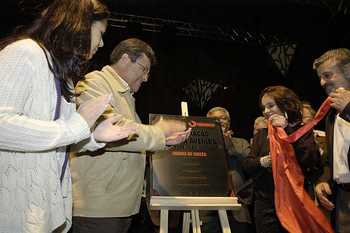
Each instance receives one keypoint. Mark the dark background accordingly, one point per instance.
(218, 42)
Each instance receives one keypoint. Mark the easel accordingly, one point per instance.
(194, 204)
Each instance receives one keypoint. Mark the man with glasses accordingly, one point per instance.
(107, 185)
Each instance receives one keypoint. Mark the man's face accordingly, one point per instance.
(259, 123)
(223, 119)
(138, 72)
(332, 77)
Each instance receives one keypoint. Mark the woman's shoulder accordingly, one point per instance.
(24, 50)
(25, 47)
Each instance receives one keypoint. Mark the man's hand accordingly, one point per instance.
(265, 161)
(340, 98)
(228, 133)
(322, 190)
(177, 138)
(278, 120)
(174, 130)
(113, 129)
(92, 109)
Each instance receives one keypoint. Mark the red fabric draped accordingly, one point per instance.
(295, 209)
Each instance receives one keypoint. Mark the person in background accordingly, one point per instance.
(38, 116)
(320, 136)
(307, 111)
(237, 150)
(333, 188)
(283, 108)
(107, 185)
(259, 123)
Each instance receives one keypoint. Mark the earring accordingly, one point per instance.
(286, 115)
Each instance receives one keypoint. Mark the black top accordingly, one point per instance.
(307, 154)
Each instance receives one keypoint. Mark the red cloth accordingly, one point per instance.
(295, 209)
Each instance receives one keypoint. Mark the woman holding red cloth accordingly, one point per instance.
(282, 107)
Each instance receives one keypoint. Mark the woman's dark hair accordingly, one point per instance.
(63, 30)
(286, 100)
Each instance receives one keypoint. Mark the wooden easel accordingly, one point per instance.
(194, 204)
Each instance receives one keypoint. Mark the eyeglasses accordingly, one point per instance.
(144, 69)
(220, 118)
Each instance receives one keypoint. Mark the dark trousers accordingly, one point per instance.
(212, 224)
(342, 211)
(101, 225)
(266, 220)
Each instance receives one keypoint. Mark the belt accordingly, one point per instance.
(344, 186)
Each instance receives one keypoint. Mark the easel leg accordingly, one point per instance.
(163, 221)
(225, 226)
(195, 221)
(186, 222)
(198, 222)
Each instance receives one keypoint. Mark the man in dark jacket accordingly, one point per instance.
(237, 149)
(333, 190)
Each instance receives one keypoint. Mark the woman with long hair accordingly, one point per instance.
(38, 64)
(283, 108)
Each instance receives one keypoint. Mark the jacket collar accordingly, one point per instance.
(119, 84)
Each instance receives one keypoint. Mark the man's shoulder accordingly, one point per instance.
(97, 74)
(240, 145)
(95, 80)
(240, 140)
(106, 77)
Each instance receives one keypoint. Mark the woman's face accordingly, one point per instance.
(98, 28)
(269, 106)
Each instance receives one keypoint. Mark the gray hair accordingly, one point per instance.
(219, 109)
(340, 56)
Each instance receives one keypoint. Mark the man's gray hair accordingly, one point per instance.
(219, 109)
(340, 56)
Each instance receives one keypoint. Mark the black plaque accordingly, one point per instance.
(197, 167)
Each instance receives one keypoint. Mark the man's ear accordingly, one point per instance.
(124, 59)
(346, 69)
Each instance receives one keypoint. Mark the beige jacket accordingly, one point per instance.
(109, 183)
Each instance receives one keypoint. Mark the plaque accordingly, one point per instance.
(196, 167)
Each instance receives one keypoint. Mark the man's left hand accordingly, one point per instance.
(340, 98)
